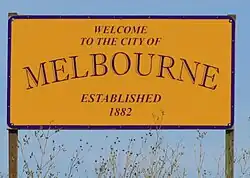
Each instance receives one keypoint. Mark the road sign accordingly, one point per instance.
(121, 72)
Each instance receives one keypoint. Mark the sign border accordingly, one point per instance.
(123, 127)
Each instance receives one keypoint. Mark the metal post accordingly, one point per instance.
(13, 144)
(13, 152)
(229, 142)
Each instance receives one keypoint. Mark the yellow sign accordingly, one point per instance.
(130, 72)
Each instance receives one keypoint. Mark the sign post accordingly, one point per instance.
(229, 156)
(115, 72)
(13, 153)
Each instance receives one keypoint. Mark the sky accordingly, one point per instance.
(214, 141)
